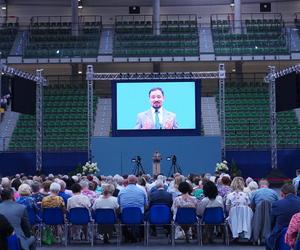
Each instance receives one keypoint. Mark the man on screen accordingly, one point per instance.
(156, 117)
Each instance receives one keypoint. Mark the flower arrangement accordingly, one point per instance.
(90, 168)
(222, 167)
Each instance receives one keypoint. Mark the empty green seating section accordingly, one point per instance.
(55, 39)
(65, 122)
(8, 33)
(248, 120)
(256, 37)
(136, 38)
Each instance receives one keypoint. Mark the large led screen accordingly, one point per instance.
(145, 108)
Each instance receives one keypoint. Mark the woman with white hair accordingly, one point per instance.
(53, 200)
(106, 201)
(26, 200)
(86, 191)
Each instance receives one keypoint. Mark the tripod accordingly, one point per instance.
(175, 168)
(138, 168)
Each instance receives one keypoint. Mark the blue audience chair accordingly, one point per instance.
(159, 215)
(13, 242)
(54, 217)
(35, 222)
(80, 216)
(132, 216)
(214, 216)
(103, 216)
(281, 241)
(186, 216)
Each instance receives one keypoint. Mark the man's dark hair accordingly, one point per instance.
(76, 188)
(7, 194)
(156, 88)
(184, 187)
(288, 189)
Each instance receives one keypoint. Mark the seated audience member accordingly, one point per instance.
(293, 229)
(252, 187)
(5, 231)
(247, 181)
(62, 193)
(160, 196)
(281, 213)
(237, 197)
(35, 192)
(224, 186)
(26, 200)
(106, 201)
(264, 193)
(132, 196)
(174, 188)
(17, 216)
(86, 191)
(45, 191)
(184, 200)
(211, 198)
(53, 200)
(197, 187)
(78, 200)
(119, 184)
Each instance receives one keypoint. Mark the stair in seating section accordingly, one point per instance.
(102, 123)
(210, 118)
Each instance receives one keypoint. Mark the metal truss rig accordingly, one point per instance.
(91, 76)
(40, 81)
(270, 78)
(157, 76)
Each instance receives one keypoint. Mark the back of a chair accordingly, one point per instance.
(33, 216)
(132, 215)
(160, 215)
(186, 216)
(105, 216)
(13, 242)
(281, 242)
(79, 216)
(53, 216)
(213, 215)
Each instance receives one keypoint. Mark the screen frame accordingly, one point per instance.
(157, 132)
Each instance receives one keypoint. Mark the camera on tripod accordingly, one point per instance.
(175, 168)
(138, 168)
(136, 159)
(172, 158)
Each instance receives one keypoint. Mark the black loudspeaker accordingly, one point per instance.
(265, 7)
(134, 10)
(23, 95)
(287, 92)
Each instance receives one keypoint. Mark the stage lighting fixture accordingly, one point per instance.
(57, 51)
(232, 3)
(80, 4)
